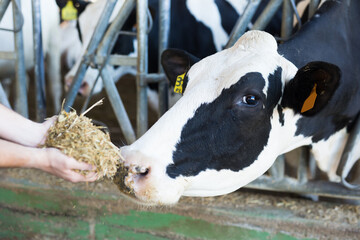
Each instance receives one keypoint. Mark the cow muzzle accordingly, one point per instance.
(84, 89)
(145, 180)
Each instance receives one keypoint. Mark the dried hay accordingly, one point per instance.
(77, 137)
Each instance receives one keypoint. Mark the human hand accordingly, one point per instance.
(43, 128)
(55, 162)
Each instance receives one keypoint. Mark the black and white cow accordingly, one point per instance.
(199, 27)
(244, 106)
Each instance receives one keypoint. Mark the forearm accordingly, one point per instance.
(15, 155)
(16, 128)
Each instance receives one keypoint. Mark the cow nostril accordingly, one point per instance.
(83, 85)
(142, 171)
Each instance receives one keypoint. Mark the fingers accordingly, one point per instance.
(63, 166)
(73, 164)
(77, 177)
(45, 127)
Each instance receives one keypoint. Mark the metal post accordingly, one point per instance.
(93, 44)
(243, 22)
(118, 107)
(115, 27)
(312, 167)
(277, 170)
(3, 6)
(267, 14)
(142, 110)
(164, 30)
(350, 156)
(38, 62)
(302, 166)
(313, 6)
(287, 20)
(3, 98)
(21, 105)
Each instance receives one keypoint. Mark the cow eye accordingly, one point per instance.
(250, 100)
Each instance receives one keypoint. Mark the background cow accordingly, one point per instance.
(244, 106)
(200, 27)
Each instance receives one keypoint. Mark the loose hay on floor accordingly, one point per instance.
(77, 137)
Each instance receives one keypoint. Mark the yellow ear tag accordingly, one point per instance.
(69, 12)
(310, 101)
(178, 88)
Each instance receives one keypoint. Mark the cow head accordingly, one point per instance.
(239, 111)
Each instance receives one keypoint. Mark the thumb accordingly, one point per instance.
(73, 164)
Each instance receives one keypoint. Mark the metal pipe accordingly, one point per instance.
(287, 20)
(164, 30)
(266, 16)
(93, 44)
(3, 6)
(39, 71)
(321, 188)
(20, 104)
(312, 166)
(243, 22)
(142, 65)
(3, 98)
(118, 107)
(350, 156)
(8, 55)
(313, 6)
(277, 170)
(117, 60)
(302, 166)
(155, 77)
(115, 27)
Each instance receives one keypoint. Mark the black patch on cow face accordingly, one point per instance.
(281, 115)
(230, 132)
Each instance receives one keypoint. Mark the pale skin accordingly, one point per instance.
(19, 138)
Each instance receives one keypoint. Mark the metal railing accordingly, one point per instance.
(20, 100)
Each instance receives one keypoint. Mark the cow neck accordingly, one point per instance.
(320, 40)
(330, 36)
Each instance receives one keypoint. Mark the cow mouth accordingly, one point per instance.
(124, 178)
(121, 180)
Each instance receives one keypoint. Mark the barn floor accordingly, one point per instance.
(36, 205)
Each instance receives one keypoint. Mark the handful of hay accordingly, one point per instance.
(77, 137)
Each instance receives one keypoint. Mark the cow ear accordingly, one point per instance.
(311, 88)
(175, 63)
(61, 3)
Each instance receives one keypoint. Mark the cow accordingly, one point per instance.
(200, 27)
(51, 43)
(244, 106)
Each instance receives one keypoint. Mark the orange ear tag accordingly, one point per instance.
(310, 101)
(178, 88)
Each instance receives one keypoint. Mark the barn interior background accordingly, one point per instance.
(291, 205)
